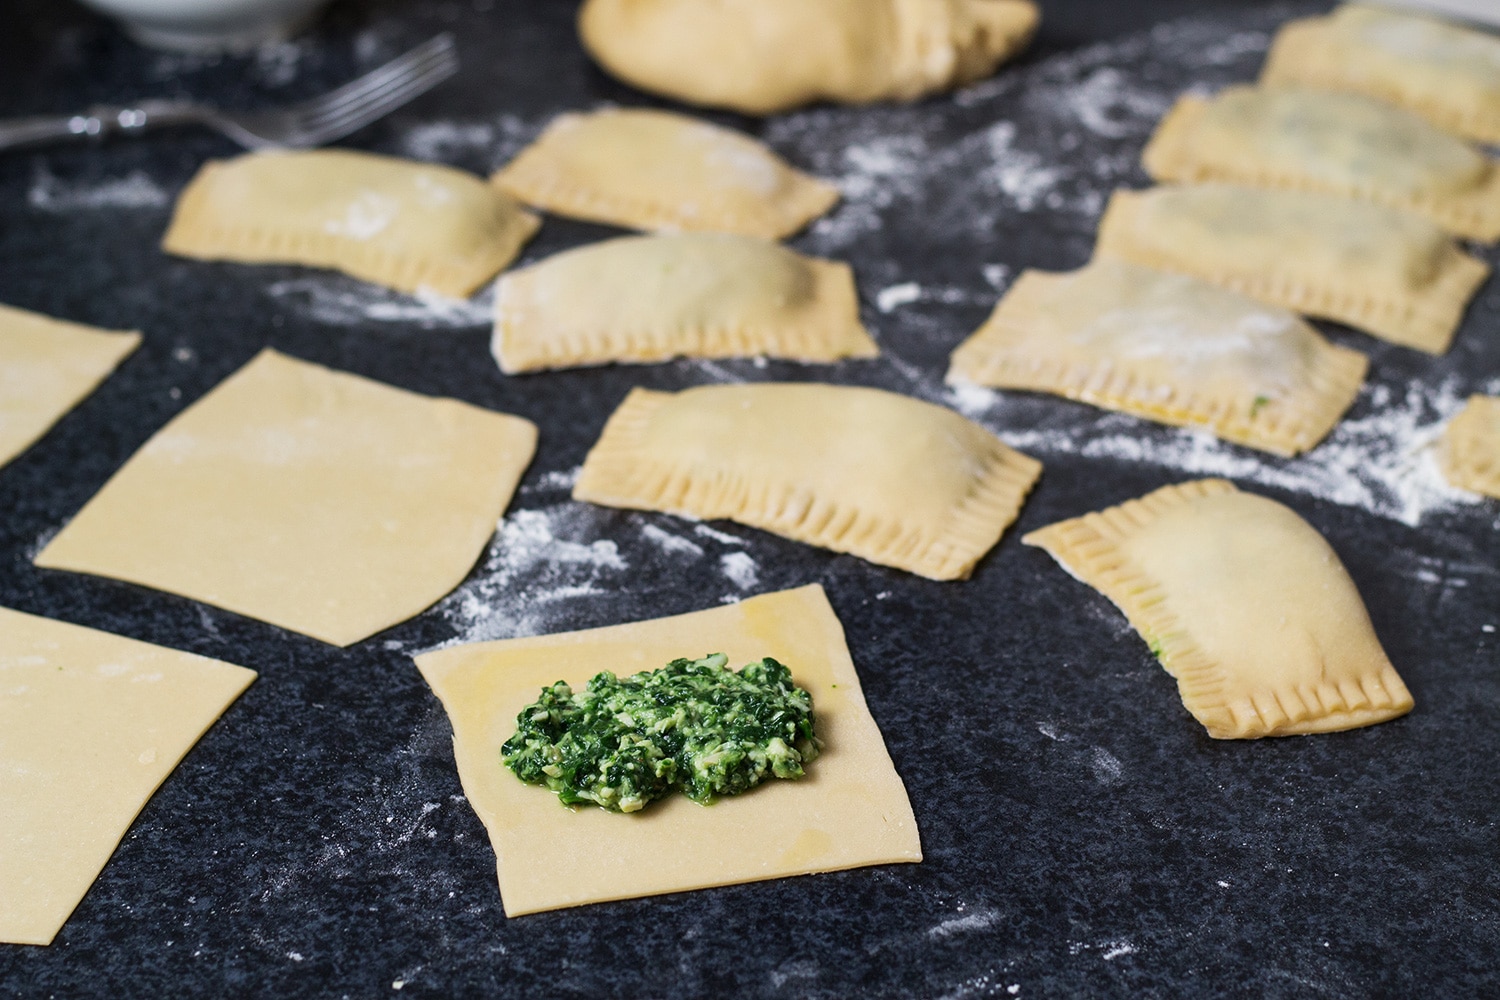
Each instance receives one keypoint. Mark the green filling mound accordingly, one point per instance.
(694, 726)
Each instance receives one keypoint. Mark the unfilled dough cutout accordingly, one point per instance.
(654, 170)
(1471, 447)
(850, 810)
(1448, 74)
(882, 476)
(1167, 347)
(90, 725)
(1243, 602)
(315, 500)
(650, 298)
(411, 226)
(1347, 145)
(765, 56)
(47, 367)
(1387, 272)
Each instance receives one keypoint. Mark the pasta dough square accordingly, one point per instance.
(651, 298)
(1471, 447)
(1448, 74)
(315, 500)
(850, 810)
(1167, 347)
(646, 169)
(1340, 144)
(411, 226)
(1389, 273)
(91, 724)
(881, 476)
(47, 367)
(1243, 602)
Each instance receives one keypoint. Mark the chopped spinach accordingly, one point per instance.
(694, 726)
(1260, 403)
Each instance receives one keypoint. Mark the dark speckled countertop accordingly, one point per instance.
(1083, 836)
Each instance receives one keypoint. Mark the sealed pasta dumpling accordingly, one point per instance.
(1447, 74)
(765, 56)
(882, 476)
(645, 169)
(1167, 347)
(1387, 272)
(650, 298)
(1335, 143)
(1244, 603)
(410, 226)
(1471, 447)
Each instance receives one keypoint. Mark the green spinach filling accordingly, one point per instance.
(694, 726)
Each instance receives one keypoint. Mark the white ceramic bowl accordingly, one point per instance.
(201, 25)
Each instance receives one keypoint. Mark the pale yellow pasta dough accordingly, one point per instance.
(650, 298)
(1390, 273)
(1471, 447)
(1244, 603)
(47, 366)
(764, 56)
(882, 476)
(1167, 347)
(411, 226)
(315, 500)
(90, 725)
(1335, 143)
(645, 169)
(1448, 74)
(850, 810)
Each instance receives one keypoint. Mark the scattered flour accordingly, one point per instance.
(675, 544)
(135, 190)
(479, 145)
(740, 569)
(342, 301)
(977, 921)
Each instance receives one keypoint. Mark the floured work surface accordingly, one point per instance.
(90, 725)
(849, 810)
(312, 499)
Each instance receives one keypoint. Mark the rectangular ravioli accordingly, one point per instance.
(850, 809)
(1167, 347)
(1341, 144)
(411, 226)
(882, 476)
(1471, 447)
(1447, 74)
(1389, 273)
(1243, 602)
(650, 298)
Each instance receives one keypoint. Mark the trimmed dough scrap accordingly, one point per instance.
(1471, 447)
(1167, 347)
(765, 56)
(1243, 602)
(316, 500)
(1387, 272)
(850, 810)
(47, 367)
(644, 169)
(1448, 74)
(651, 298)
(411, 226)
(882, 476)
(1334, 143)
(91, 724)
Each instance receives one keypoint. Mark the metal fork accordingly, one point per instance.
(313, 123)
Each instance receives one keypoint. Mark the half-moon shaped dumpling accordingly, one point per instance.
(1471, 447)
(1390, 273)
(1166, 347)
(410, 226)
(1348, 145)
(764, 56)
(650, 298)
(1447, 74)
(645, 169)
(1243, 602)
(882, 476)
